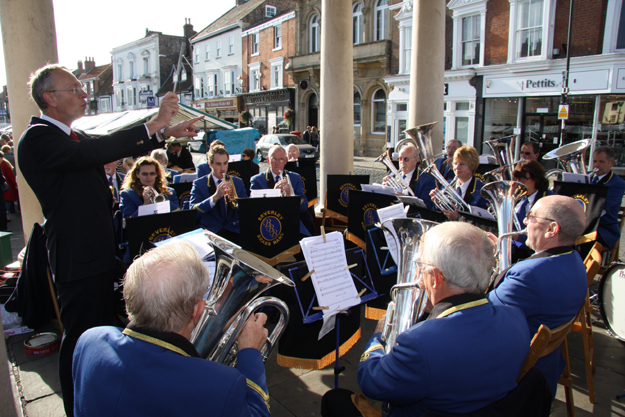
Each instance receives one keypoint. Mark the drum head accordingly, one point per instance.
(612, 299)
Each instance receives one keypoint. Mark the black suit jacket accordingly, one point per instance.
(67, 176)
(184, 161)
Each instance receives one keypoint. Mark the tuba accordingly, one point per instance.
(446, 197)
(503, 149)
(233, 297)
(407, 299)
(503, 196)
(571, 157)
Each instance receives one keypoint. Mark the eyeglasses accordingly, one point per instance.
(522, 179)
(76, 90)
(527, 153)
(460, 164)
(531, 216)
(406, 159)
(272, 159)
(147, 174)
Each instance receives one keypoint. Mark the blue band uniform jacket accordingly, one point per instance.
(440, 364)
(473, 196)
(446, 171)
(421, 184)
(217, 217)
(609, 226)
(131, 200)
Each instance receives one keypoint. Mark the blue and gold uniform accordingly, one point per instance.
(215, 217)
(445, 170)
(609, 227)
(131, 200)
(550, 288)
(466, 356)
(135, 372)
(473, 195)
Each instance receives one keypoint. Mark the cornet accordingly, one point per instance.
(289, 191)
(156, 198)
(231, 197)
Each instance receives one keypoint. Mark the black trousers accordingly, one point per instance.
(84, 304)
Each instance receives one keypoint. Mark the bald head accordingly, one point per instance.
(567, 212)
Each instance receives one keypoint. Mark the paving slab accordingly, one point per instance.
(41, 377)
(49, 406)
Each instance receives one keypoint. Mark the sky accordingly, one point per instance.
(88, 28)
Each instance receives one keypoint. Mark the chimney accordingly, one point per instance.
(89, 63)
(80, 66)
(188, 29)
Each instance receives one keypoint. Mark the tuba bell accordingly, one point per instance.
(570, 157)
(407, 299)
(233, 297)
(503, 149)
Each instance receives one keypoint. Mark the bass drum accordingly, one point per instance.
(612, 299)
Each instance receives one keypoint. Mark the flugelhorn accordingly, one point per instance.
(233, 297)
(156, 198)
(407, 299)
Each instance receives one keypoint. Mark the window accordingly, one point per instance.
(314, 35)
(230, 45)
(131, 98)
(255, 75)
(218, 49)
(277, 36)
(183, 75)
(529, 28)
(379, 111)
(381, 20)
(197, 54)
(207, 52)
(201, 87)
(255, 43)
(407, 50)
(357, 108)
(131, 70)
(471, 40)
(212, 85)
(91, 89)
(120, 73)
(228, 82)
(119, 97)
(146, 67)
(357, 24)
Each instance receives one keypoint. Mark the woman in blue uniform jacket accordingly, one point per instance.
(144, 181)
(466, 184)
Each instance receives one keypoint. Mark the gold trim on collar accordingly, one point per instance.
(154, 341)
(462, 307)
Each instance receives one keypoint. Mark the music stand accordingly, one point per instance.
(144, 231)
(590, 196)
(426, 214)
(487, 225)
(307, 169)
(383, 272)
(183, 192)
(243, 170)
(363, 211)
(337, 197)
(269, 227)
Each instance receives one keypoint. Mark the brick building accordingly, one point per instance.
(97, 82)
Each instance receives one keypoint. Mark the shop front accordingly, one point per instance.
(227, 108)
(268, 107)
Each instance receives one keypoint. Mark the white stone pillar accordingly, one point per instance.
(337, 91)
(29, 40)
(427, 69)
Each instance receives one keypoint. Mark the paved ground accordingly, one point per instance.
(298, 392)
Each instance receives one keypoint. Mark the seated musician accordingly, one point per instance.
(115, 180)
(272, 179)
(292, 152)
(530, 151)
(161, 157)
(421, 184)
(203, 168)
(180, 158)
(609, 231)
(466, 184)
(248, 154)
(210, 196)
(550, 286)
(532, 175)
(466, 355)
(445, 164)
(142, 184)
(150, 367)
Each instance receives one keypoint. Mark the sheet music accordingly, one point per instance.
(156, 208)
(395, 211)
(415, 201)
(333, 283)
(197, 239)
(377, 188)
(478, 211)
(269, 192)
(189, 177)
(573, 177)
(235, 158)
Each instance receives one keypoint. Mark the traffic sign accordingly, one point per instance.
(563, 112)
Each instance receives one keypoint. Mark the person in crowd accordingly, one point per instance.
(115, 180)
(609, 231)
(127, 164)
(161, 157)
(203, 168)
(306, 135)
(420, 183)
(276, 159)
(452, 362)
(179, 158)
(292, 152)
(8, 155)
(151, 367)
(248, 154)
(11, 196)
(445, 164)
(530, 151)
(56, 162)
(4, 139)
(214, 198)
(532, 175)
(466, 184)
(550, 286)
(142, 185)
(314, 137)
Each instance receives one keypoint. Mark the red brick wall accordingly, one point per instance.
(588, 25)
(497, 29)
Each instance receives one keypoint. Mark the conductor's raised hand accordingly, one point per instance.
(254, 335)
(183, 129)
(166, 110)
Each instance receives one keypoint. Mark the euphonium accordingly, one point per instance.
(503, 149)
(231, 197)
(407, 299)
(503, 197)
(233, 297)
(446, 197)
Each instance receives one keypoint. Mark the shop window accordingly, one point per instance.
(357, 24)
(500, 117)
(357, 108)
(379, 112)
(462, 129)
(314, 35)
(611, 129)
(381, 20)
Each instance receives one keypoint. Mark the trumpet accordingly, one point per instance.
(231, 197)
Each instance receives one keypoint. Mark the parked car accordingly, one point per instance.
(266, 142)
